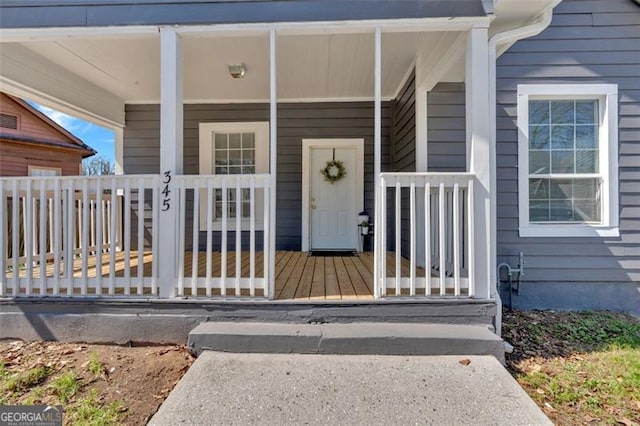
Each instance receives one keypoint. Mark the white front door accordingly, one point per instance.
(333, 207)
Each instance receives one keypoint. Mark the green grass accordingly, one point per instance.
(66, 386)
(606, 385)
(89, 411)
(17, 382)
(595, 375)
(94, 366)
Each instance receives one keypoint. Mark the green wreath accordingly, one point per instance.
(333, 171)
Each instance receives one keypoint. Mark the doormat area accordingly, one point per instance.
(333, 253)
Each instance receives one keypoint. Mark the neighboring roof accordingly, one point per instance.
(88, 13)
(74, 141)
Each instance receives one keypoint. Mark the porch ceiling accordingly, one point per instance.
(318, 66)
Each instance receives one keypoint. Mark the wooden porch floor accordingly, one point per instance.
(298, 275)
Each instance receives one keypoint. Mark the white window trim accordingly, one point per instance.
(206, 166)
(607, 94)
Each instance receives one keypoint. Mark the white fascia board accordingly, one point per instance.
(283, 28)
(28, 75)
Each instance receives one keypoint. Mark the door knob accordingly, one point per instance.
(313, 205)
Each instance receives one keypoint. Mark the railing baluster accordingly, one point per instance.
(85, 236)
(427, 238)
(113, 214)
(211, 205)
(99, 234)
(195, 241)
(182, 213)
(383, 235)
(42, 247)
(266, 250)
(15, 233)
(456, 239)
(398, 251)
(223, 256)
(442, 242)
(412, 236)
(238, 235)
(28, 237)
(70, 236)
(140, 268)
(56, 249)
(155, 232)
(471, 243)
(252, 237)
(126, 236)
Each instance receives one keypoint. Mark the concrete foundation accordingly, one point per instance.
(170, 321)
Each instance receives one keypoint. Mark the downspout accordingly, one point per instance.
(497, 40)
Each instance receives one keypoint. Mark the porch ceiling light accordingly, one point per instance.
(237, 70)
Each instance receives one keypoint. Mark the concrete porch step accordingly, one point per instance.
(346, 339)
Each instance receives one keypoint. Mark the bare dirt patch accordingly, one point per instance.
(96, 384)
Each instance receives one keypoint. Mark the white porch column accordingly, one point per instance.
(273, 160)
(171, 129)
(379, 239)
(479, 154)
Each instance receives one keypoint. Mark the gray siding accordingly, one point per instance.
(81, 13)
(403, 153)
(295, 122)
(587, 42)
(446, 125)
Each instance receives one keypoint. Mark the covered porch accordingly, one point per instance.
(184, 219)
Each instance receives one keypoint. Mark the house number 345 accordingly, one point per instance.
(166, 200)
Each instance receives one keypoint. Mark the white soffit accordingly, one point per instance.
(319, 66)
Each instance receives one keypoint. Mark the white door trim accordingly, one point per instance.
(307, 144)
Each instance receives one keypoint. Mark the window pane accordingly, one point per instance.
(560, 211)
(586, 137)
(234, 141)
(562, 161)
(538, 162)
(562, 112)
(248, 170)
(586, 161)
(248, 157)
(538, 112)
(586, 112)
(539, 189)
(586, 210)
(539, 137)
(560, 189)
(221, 158)
(585, 188)
(235, 157)
(235, 170)
(221, 140)
(561, 137)
(539, 211)
(248, 140)
(222, 170)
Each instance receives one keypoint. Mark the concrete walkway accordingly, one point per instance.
(283, 389)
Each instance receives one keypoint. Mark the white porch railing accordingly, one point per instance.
(72, 236)
(228, 211)
(431, 257)
(98, 236)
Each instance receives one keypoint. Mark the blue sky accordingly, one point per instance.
(98, 138)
